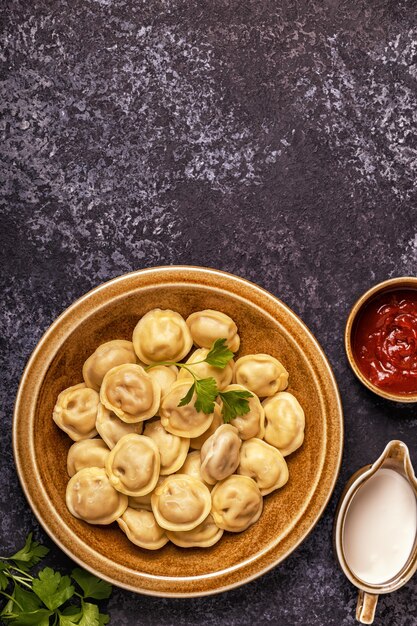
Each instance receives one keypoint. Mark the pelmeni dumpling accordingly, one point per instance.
(161, 335)
(260, 373)
(197, 442)
(250, 424)
(133, 465)
(184, 421)
(284, 422)
(172, 449)
(220, 454)
(86, 453)
(236, 503)
(164, 375)
(75, 412)
(208, 325)
(180, 502)
(91, 497)
(264, 463)
(141, 528)
(106, 356)
(111, 428)
(204, 535)
(203, 370)
(192, 467)
(144, 502)
(131, 393)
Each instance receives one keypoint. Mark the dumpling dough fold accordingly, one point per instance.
(131, 393)
(284, 422)
(133, 465)
(106, 356)
(161, 335)
(75, 412)
(262, 374)
(141, 528)
(181, 502)
(237, 503)
(91, 497)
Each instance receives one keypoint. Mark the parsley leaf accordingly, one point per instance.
(234, 403)
(70, 616)
(92, 586)
(69, 620)
(188, 396)
(40, 617)
(219, 355)
(52, 588)
(30, 554)
(206, 392)
(90, 615)
(33, 601)
(26, 601)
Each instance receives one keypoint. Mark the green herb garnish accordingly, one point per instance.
(219, 355)
(39, 600)
(205, 389)
(234, 403)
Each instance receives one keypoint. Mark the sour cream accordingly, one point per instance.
(380, 527)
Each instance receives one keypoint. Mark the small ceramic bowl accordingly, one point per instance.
(393, 284)
(112, 311)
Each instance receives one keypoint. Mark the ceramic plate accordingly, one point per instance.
(265, 325)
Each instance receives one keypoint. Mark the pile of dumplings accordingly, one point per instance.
(170, 473)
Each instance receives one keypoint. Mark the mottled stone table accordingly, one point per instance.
(275, 140)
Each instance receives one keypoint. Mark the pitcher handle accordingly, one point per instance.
(365, 609)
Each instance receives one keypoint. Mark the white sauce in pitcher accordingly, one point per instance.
(380, 527)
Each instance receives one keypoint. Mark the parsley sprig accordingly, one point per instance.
(234, 403)
(43, 600)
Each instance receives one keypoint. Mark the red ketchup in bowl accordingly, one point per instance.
(385, 341)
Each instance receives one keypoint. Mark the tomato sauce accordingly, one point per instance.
(385, 341)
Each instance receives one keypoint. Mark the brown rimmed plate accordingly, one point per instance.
(265, 325)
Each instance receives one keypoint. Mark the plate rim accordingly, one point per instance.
(173, 269)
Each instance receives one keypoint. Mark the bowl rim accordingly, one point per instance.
(20, 460)
(404, 282)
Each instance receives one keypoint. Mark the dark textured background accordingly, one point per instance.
(275, 140)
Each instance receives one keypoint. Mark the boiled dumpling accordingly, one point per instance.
(237, 503)
(75, 412)
(173, 449)
(264, 463)
(133, 465)
(164, 375)
(161, 335)
(91, 497)
(131, 393)
(260, 373)
(180, 502)
(184, 421)
(192, 467)
(220, 454)
(86, 453)
(106, 356)
(203, 370)
(141, 528)
(284, 422)
(250, 424)
(204, 535)
(208, 325)
(144, 502)
(111, 428)
(197, 442)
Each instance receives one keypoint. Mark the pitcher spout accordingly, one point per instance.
(397, 456)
